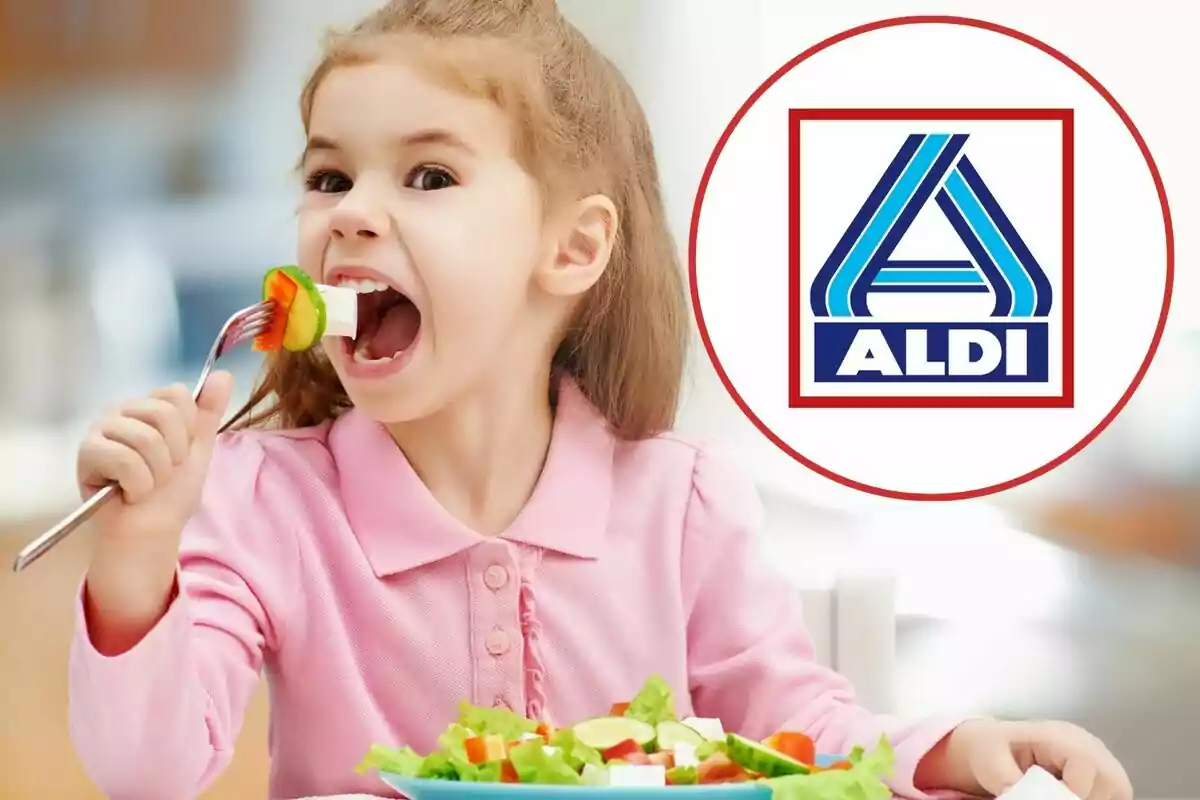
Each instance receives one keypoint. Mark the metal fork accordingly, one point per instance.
(242, 326)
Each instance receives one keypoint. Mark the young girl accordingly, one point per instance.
(477, 499)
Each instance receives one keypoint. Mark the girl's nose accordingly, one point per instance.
(353, 221)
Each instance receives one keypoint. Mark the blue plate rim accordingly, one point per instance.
(437, 785)
(416, 785)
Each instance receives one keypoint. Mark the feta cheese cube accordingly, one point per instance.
(637, 775)
(708, 727)
(1038, 784)
(685, 755)
(341, 310)
(550, 750)
(594, 776)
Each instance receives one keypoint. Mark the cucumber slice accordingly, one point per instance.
(671, 733)
(757, 757)
(601, 733)
(306, 317)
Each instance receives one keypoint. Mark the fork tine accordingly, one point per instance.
(249, 332)
(238, 336)
(259, 315)
(264, 306)
(254, 321)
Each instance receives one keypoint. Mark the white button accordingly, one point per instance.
(495, 577)
(497, 642)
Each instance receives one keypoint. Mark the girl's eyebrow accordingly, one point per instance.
(423, 137)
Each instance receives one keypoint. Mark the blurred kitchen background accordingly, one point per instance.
(146, 156)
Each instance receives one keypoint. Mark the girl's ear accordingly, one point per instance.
(586, 235)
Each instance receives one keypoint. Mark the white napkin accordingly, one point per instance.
(1037, 784)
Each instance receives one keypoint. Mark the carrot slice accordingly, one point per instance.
(280, 288)
(482, 749)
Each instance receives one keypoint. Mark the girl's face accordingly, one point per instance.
(413, 196)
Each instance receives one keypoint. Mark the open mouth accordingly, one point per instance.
(388, 322)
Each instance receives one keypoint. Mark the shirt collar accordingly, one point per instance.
(401, 526)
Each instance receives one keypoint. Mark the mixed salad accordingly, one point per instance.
(638, 743)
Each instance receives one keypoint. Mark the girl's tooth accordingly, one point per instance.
(363, 285)
(360, 355)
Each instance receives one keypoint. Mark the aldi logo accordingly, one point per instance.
(950, 283)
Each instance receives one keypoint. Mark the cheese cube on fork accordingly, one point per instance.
(341, 310)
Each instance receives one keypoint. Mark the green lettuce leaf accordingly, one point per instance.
(682, 776)
(501, 721)
(453, 740)
(449, 763)
(575, 752)
(402, 761)
(445, 767)
(863, 781)
(653, 703)
(710, 747)
(534, 765)
(487, 773)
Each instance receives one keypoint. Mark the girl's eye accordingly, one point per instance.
(329, 182)
(430, 179)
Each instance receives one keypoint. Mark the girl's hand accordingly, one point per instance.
(987, 757)
(157, 448)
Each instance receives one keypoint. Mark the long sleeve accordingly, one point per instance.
(159, 721)
(751, 660)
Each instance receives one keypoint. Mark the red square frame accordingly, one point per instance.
(796, 304)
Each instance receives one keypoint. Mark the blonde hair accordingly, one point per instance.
(579, 130)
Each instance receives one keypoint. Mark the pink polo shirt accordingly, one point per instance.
(321, 559)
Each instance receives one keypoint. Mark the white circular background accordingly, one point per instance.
(741, 259)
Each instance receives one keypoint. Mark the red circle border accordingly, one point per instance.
(967, 22)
